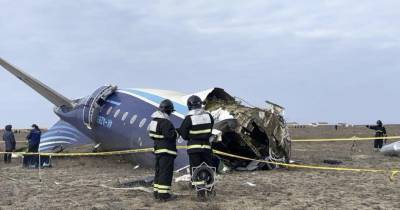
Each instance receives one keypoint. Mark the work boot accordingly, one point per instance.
(202, 195)
(155, 195)
(167, 197)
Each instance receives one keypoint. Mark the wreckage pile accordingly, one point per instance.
(252, 132)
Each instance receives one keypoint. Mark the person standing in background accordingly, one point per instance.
(33, 146)
(380, 131)
(10, 143)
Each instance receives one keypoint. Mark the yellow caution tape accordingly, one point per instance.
(92, 154)
(19, 141)
(346, 139)
(392, 173)
(327, 140)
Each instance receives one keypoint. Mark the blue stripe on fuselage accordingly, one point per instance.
(113, 102)
(180, 108)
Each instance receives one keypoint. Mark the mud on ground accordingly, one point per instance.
(76, 183)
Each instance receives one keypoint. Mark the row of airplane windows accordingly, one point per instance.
(125, 115)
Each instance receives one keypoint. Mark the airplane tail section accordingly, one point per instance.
(62, 136)
(47, 92)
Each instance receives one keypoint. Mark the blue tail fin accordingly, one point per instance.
(61, 136)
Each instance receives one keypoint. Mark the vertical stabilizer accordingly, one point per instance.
(50, 94)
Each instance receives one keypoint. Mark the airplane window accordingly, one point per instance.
(109, 110)
(125, 116)
(117, 113)
(133, 119)
(142, 122)
(140, 141)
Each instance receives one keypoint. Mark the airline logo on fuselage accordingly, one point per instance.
(102, 121)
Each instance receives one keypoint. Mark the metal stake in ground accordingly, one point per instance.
(39, 165)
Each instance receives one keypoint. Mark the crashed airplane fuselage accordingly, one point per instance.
(392, 149)
(117, 119)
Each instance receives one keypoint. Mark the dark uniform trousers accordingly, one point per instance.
(199, 157)
(164, 168)
(378, 143)
(7, 156)
(31, 160)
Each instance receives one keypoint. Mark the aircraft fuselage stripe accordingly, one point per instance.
(54, 142)
(156, 104)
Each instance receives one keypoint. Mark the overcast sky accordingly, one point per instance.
(332, 60)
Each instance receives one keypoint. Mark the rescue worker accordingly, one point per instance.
(33, 146)
(164, 134)
(196, 128)
(9, 140)
(380, 131)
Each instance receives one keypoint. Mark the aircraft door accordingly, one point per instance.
(94, 102)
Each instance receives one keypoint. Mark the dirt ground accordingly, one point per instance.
(79, 183)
